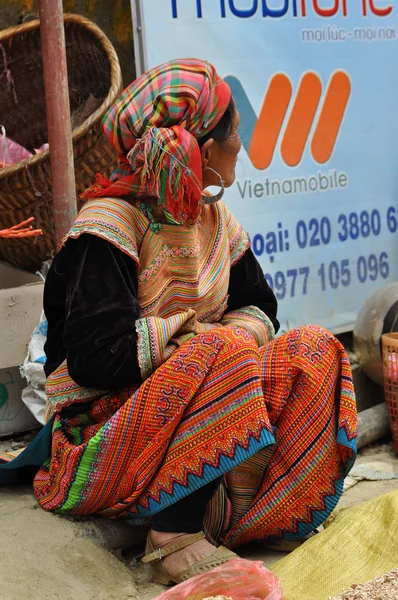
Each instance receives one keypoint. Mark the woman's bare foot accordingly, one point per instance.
(181, 560)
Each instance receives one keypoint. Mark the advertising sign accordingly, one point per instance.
(316, 85)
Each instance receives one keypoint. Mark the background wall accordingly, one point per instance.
(112, 16)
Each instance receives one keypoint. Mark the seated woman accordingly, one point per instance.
(169, 397)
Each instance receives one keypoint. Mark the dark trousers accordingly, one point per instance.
(186, 515)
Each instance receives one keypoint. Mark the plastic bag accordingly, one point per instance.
(238, 579)
(34, 395)
(10, 151)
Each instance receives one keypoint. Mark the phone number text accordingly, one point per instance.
(329, 276)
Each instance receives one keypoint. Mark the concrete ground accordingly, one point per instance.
(46, 557)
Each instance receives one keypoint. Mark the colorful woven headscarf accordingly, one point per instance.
(154, 126)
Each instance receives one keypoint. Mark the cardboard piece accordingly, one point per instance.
(12, 277)
(21, 302)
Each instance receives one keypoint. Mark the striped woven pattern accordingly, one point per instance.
(116, 221)
(154, 126)
(212, 405)
(62, 391)
(254, 320)
(310, 399)
(183, 275)
(244, 482)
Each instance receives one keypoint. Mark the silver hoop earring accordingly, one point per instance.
(212, 199)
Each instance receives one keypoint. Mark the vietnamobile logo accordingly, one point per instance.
(312, 120)
(295, 8)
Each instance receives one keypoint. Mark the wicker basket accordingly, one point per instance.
(390, 369)
(25, 188)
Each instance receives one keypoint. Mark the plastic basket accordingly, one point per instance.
(390, 370)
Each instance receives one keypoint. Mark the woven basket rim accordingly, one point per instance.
(390, 339)
(114, 90)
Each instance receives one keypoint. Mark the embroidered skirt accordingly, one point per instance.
(216, 402)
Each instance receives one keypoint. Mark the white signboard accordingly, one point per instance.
(316, 83)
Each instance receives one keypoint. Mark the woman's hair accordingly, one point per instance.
(224, 127)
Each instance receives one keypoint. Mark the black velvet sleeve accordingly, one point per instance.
(248, 286)
(101, 308)
(90, 301)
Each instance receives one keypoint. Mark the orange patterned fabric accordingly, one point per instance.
(215, 403)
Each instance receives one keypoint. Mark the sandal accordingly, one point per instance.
(159, 572)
